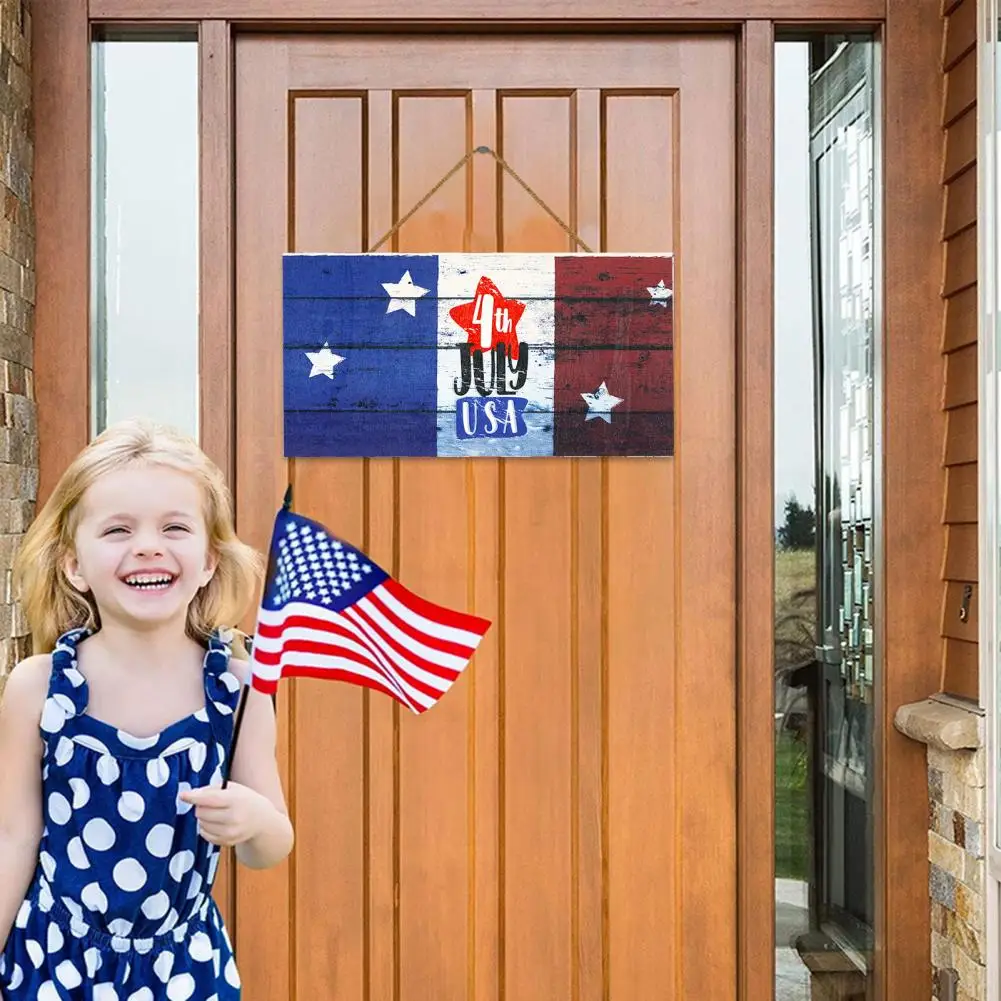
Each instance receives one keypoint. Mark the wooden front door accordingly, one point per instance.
(562, 825)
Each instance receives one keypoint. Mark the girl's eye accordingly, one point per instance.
(114, 530)
(178, 528)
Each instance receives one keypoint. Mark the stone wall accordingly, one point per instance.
(957, 803)
(956, 838)
(18, 433)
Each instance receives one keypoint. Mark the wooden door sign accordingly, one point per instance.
(478, 354)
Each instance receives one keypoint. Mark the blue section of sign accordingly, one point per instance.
(319, 433)
(359, 370)
(490, 417)
(367, 379)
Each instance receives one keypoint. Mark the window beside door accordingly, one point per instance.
(144, 242)
(827, 342)
(989, 506)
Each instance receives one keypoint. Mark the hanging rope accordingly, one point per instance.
(506, 166)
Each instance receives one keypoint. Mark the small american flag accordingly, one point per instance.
(329, 612)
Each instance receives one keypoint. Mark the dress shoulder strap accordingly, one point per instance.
(222, 686)
(68, 694)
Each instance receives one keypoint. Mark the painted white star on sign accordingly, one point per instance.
(403, 294)
(600, 403)
(323, 361)
(659, 294)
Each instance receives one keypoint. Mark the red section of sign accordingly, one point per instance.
(490, 319)
(614, 335)
(614, 301)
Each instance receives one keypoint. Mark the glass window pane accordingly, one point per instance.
(795, 557)
(826, 345)
(989, 280)
(144, 316)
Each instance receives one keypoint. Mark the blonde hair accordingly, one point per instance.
(50, 602)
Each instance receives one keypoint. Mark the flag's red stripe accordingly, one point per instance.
(445, 646)
(333, 649)
(385, 643)
(439, 670)
(444, 616)
(341, 675)
(350, 630)
(322, 650)
(271, 657)
(335, 674)
(387, 665)
(267, 685)
(272, 630)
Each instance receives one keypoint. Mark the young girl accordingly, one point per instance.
(114, 744)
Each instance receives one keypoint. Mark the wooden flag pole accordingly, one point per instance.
(241, 707)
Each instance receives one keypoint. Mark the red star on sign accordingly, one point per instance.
(490, 319)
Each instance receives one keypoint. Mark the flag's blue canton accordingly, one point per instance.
(381, 398)
(310, 565)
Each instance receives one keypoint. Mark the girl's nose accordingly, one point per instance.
(147, 545)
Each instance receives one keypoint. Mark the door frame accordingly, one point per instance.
(910, 32)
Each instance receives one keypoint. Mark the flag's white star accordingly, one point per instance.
(323, 361)
(600, 403)
(659, 294)
(403, 294)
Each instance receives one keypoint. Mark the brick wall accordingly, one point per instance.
(18, 433)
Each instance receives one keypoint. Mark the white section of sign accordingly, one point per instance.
(531, 280)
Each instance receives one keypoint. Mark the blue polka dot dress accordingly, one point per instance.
(120, 908)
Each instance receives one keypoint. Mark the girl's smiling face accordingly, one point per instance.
(141, 545)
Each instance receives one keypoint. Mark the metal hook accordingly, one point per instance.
(964, 607)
